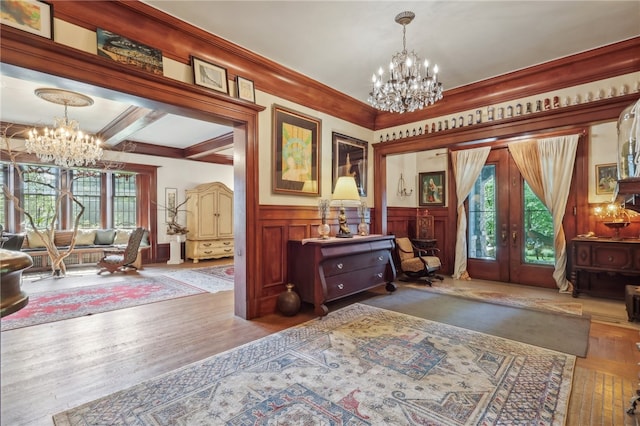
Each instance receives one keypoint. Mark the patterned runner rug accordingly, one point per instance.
(359, 365)
(212, 278)
(501, 298)
(75, 302)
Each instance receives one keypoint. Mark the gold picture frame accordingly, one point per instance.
(296, 152)
(606, 178)
(432, 187)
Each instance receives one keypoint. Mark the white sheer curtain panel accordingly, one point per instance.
(557, 158)
(467, 166)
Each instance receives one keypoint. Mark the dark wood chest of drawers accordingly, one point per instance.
(603, 267)
(326, 270)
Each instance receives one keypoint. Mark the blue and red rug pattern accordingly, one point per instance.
(323, 372)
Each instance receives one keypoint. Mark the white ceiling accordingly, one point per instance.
(341, 43)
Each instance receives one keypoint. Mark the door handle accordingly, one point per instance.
(503, 235)
(514, 236)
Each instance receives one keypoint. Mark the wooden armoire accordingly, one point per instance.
(209, 221)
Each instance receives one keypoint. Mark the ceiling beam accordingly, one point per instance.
(132, 120)
(216, 144)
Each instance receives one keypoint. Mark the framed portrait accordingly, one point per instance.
(170, 202)
(245, 89)
(606, 178)
(296, 152)
(349, 158)
(126, 51)
(209, 75)
(32, 16)
(432, 188)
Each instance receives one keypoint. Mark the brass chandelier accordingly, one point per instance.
(411, 84)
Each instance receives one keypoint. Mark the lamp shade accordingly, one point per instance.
(346, 190)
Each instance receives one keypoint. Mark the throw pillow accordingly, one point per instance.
(122, 237)
(62, 238)
(104, 236)
(35, 240)
(85, 237)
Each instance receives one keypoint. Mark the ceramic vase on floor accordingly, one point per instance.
(288, 302)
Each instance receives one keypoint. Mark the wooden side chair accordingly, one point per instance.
(121, 260)
(418, 264)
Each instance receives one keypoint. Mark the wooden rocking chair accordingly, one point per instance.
(121, 260)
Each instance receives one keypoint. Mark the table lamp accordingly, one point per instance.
(346, 191)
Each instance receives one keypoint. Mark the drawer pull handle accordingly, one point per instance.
(340, 286)
(610, 258)
(206, 244)
(380, 258)
(226, 243)
(379, 275)
(227, 250)
(340, 266)
(208, 252)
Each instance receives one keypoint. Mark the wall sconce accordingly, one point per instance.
(346, 190)
(402, 188)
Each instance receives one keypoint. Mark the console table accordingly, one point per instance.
(604, 266)
(326, 270)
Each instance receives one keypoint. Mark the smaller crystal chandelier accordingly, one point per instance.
(65, 145)
(411, 84)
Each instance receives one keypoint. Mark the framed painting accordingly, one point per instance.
(432, 189)
(32, 16)
(209, 75)
(129, 52)
(606, 178)
(245, 89)
(350, 159)
(296, 152)
(170, 202)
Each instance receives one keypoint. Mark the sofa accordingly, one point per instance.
(89, 247)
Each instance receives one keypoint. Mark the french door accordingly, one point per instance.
(510, 231)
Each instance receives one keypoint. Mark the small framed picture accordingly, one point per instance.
(171, 201)
(245, 89)
(432, 188)
(209, 75)
(130, 52)
(32, 16)
(606, 178)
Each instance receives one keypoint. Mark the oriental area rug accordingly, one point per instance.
(359, 365)
(57, 305)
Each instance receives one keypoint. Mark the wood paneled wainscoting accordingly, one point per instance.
(278, 224)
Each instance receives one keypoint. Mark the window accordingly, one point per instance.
(482, 216)
(39, 194)
(124, 200)
(86, 188)
(110, 198)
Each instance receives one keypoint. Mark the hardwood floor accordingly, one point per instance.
(52, 367)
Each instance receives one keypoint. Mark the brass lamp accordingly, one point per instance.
(346, 191)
